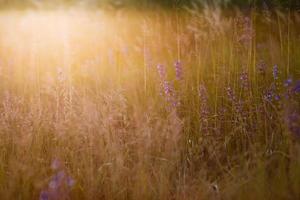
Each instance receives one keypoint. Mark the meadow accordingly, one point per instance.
(150, 104)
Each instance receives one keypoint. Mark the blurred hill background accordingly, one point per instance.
(293, 4)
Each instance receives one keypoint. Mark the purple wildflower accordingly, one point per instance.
(275, 72)
(59, 185)
(247, 32)
(231, 94)
(178, 69)
(57, 180)
(292, 88)
(203, 93)
(261, 66)
(55, 165)
(204, 109)
(237, 104)
(296, 88)
(288, 82)
(293, 122)
(277, 97)
(203, 98)
(244, 80)
(44, 195)
(269, 95)
(162, 71)
(168, 88)
(272, 94)
(70, 181)
(170, 93)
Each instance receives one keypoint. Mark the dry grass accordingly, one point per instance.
(81, 91)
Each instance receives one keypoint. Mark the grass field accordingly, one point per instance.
(127, 104)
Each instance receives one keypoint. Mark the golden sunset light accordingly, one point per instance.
(149, 100)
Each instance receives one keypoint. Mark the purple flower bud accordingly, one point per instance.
(55, 165)
(70, 181)
(244, 80)
(236, 103)
(162, 71)
(170, 93)
(288, 82)
(269, 96)
(230, 94)
(204, 108)
(178, 69)
(44, 195)
(277, 98)
(203, 93)
(275, 72)
(167, 87)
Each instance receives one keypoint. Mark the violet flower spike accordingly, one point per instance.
(275, 72)
(178, 70)
(57, 180)
(161, 71)
(244, 80)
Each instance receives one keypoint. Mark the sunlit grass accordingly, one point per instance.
(149, 105)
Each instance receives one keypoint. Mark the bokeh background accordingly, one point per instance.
(151, 100)
(294, 4)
